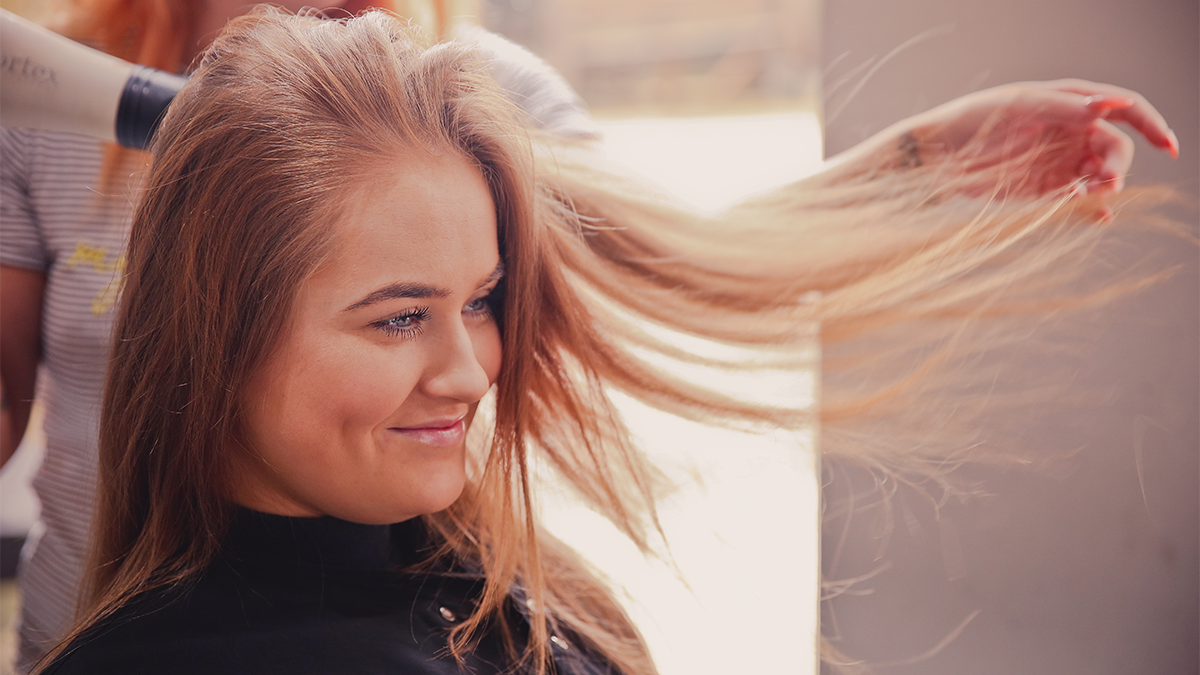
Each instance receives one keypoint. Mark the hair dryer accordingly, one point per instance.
(50, 82)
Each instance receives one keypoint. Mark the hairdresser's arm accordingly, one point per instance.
(7, 446)
(1072, 120)
(21, 293)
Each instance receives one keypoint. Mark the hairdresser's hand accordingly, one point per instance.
(1027, 139)
(1066, 128)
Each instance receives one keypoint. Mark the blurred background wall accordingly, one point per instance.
(672, 57)
(1091, 568)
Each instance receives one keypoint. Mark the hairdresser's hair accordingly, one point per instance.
(156, 33)
(281, 121)
(150, 32)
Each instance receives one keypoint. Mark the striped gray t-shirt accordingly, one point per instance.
(54, 219)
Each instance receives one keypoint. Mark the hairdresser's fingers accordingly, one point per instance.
(1109, 158)
(1083, 87)
(1125, 105)
(1062, 108)
(1080, 101)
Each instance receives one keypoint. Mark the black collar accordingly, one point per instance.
(323, 543)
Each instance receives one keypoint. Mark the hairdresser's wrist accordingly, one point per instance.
(900, 148)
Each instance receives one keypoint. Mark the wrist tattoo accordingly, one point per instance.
(910, 151)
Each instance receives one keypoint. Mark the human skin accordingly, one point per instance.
(1081, 117)
(361, 412)
(21, 294)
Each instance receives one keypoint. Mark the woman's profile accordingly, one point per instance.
(362, 297)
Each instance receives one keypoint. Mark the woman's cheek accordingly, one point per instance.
(356, 385)
(374, 391)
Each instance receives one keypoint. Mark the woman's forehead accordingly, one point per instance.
(430, 218)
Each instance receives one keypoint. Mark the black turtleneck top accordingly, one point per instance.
(305, 596)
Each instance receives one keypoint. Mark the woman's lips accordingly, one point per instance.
(437, 433)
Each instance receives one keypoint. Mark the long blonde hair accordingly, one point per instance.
(262, 148)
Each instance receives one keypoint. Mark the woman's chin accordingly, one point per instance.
(435, 493)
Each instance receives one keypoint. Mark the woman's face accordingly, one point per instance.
(362, 410)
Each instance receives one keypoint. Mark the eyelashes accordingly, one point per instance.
(406, 324)
(409, 323)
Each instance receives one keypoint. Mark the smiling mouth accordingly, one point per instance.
(435, 434)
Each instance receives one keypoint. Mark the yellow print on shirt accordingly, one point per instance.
(97, 257)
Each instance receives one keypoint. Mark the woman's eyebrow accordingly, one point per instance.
(397, 292)
(400, 291)
(496, 275)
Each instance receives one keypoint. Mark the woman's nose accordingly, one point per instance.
(455, 371)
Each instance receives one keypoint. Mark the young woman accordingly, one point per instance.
(64, 224)
(347, 240)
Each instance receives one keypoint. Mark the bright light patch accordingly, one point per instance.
(711, 162)
(743, 528)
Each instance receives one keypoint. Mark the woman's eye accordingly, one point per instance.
(480, 307)
(407, 324)
(477, 305)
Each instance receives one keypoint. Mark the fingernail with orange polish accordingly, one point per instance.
(1110, 102)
